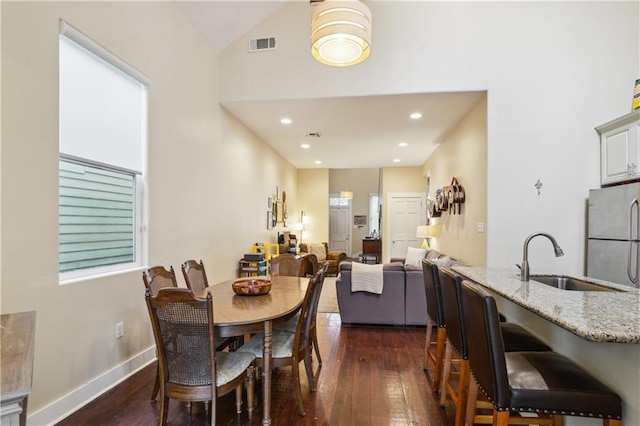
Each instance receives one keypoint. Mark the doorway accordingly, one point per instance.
(340, 224)
(405, 211)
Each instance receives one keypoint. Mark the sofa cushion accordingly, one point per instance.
(386, 267)
(413, 268)
(414, 256)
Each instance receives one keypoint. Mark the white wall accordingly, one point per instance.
(552, 70)
(209, 181)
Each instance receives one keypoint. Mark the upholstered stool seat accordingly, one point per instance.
(546, 383)
(551, 383)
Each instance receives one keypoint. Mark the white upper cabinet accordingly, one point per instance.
(620, 149)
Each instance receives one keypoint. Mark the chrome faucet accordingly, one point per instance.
(524, 275)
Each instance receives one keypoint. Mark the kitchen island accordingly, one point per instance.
(598, 330)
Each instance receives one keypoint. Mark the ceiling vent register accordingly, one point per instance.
(262, 44)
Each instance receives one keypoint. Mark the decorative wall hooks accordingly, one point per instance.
(277, 213)
(447, 199)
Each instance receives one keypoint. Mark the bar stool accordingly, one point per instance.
(515, 339)
(435, 318)
(545, 383)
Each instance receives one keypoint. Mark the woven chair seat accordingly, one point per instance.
(230, 365)
(282, 345)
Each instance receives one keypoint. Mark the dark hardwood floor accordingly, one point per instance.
(370, 376)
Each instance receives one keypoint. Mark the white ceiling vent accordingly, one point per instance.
(261, 44)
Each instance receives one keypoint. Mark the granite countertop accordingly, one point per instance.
(593, 315)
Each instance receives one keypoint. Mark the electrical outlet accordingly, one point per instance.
(119, 330)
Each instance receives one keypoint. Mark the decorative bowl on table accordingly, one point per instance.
(252, 286)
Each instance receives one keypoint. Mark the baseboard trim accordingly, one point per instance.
(63, 407)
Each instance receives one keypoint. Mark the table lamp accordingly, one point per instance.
(423, 232)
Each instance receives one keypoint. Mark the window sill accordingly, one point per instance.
(101, 275)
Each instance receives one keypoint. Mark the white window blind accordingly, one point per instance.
(103, 133)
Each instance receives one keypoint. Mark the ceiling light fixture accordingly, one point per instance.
(396, 160)
(346, 194)
(415, 115)
(341, 33)
(305, 146)
(402, 144)
(318, 162)
(286, 121)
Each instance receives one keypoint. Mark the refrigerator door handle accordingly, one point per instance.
(632, 240)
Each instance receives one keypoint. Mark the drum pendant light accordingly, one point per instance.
(341, 32)
(346, 194)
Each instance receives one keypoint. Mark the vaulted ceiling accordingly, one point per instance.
(354, 132)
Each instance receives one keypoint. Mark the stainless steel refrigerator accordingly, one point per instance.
(613, 239)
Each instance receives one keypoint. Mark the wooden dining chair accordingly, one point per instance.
(291, 325)
(194, 275)
(155, 279)
(190, 367)
(286, 264)
(158, 277)
(196, 278)
(290, 349)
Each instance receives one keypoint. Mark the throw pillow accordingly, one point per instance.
(319, 251)
(443, 262)
(414, 256)
(432, 254)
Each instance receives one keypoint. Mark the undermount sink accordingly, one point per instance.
(564, 282)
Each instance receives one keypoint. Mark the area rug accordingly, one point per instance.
(328, 300)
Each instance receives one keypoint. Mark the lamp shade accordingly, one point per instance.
(341, 33)
(422, 231)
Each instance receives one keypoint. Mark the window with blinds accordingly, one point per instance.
(103, 124)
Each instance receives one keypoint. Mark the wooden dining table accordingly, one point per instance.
(236, 315)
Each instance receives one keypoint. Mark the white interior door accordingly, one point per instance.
(339, 227)
(406, 212)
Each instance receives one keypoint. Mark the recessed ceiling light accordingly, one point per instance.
(318, 162)
(285, 120)
(403, 144)
(396, 160)
(415, 115)
(305, 146)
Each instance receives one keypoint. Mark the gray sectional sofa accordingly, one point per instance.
(402, 302)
